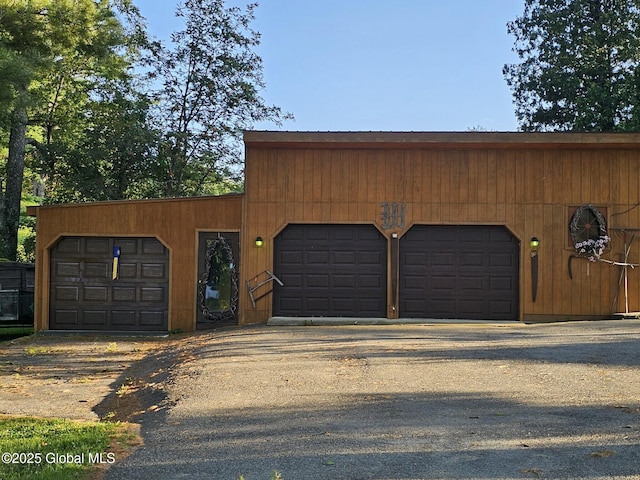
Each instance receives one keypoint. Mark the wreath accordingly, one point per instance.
(589, 232)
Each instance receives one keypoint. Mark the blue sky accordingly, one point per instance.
(379, 65)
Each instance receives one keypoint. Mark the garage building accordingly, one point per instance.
(471, 226)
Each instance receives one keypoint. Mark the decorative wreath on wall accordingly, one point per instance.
(223, 254)
(588, 230)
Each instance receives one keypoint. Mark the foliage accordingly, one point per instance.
(210, 81)
(109, 157)
(579, 67)
(91, 110)
(52, 53)
(48, 438)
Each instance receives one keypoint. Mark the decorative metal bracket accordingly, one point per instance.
(259, 281)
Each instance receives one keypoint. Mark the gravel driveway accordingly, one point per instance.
(400, 402)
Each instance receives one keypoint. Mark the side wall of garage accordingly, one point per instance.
(174, 223)
(526, 184)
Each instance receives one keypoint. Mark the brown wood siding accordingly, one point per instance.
(526, 188)
(175, 222)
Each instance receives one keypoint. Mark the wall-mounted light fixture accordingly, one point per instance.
(259, 242)
(534, 243)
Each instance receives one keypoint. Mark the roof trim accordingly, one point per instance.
(32, 211)
(290, 139)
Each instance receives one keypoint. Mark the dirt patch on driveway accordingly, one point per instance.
(84, 377)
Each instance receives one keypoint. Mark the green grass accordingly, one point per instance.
(53, 449)
(9, 333)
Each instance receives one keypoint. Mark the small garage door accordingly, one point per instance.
(84, 296)
(466, 272)
(330, 271)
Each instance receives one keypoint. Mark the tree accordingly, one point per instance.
(580, 68)
(210, 92)
(110, 156)
(51, 53)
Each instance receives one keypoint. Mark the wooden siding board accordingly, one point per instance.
(544, 223)
(482, 177)
(634, 178)
(501, 179)
(620, 165)
(426, 158)
(586, 191)
(464, 179)
(453, 163)
(473, 178)
(315, 178)
(492, 178)
(509, 175)
(353, 189)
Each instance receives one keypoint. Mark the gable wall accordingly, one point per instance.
(175, 222)
(529, 188)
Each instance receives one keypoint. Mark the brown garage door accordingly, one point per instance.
(84, 296)
(466, 272)
(330, 271)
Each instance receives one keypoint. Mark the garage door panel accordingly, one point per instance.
(128, 270)
(124, 294)
(97, 246)
(344, 257)
(318, 234)
(95, 317)
(472, 307)
(373, 258)
(370, 281)
(318, 306)
(441, 283)
(291, 257)
(317, 281)
(344, 280)
(442, 308)
(67, 269)
(66, 317)
(123, 318)
(372, 306)
(292, 280)
(505, 284)
(413, 282)
(153, 318)
(152, 295)
(472, 284)
(459, 272)
(129, 246)
(342, 271)
(472, 259)
(501, 260)
(318, 257)
(69, 245)
(153, 270)
(505, 307)
(95, 294)
(96, 269)
(67, 293)
(439, 259)
(84, 295)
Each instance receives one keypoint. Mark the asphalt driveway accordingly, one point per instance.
(400, 402)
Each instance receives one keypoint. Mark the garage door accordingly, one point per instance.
(84, 296)
(330, 271)
(466, 272)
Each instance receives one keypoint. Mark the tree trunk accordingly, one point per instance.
(10, 209)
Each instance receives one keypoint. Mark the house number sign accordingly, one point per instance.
(392, 215)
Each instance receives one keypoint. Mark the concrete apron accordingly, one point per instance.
(331, 321)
